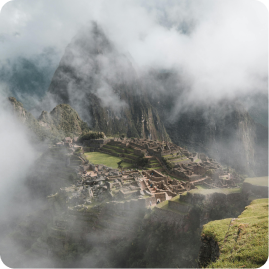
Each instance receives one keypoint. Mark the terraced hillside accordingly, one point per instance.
(129, 155)
(115, 148)
(106, 159)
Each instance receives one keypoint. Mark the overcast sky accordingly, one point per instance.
(219, 46)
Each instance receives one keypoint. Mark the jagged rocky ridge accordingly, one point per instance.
(61, 122)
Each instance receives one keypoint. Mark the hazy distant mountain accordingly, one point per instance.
(258, 109)
(28, 79)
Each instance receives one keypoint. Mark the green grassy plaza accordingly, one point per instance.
(106, 159)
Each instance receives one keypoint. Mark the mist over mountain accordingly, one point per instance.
(116, 97)
(28, 78)
(190, 77)
(103, 86)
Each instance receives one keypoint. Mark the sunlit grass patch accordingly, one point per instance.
(245, 243)
(106, 159)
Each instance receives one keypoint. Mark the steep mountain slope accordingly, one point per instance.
(103, 87)
(64, 119)
(229, 137)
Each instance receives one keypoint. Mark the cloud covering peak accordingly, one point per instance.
(218, 48)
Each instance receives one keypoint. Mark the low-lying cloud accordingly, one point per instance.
(218, 49)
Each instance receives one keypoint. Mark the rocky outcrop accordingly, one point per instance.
(62, 121)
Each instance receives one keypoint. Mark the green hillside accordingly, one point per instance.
(242, 242)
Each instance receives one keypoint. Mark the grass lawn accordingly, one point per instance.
(258, 181)
(245, 243)
(105, 159)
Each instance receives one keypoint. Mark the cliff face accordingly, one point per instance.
(228, 137)
(102, 85)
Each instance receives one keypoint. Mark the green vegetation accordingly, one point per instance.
(243, 242)
(179, 160)
(258, 181)
(91, 135)
(168, 164)
(62, 121)
(105, 159)
(66, 119)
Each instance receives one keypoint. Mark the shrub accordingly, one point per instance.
(92, 135)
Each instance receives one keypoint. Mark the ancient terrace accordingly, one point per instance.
(165, 157)
(169, 170)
